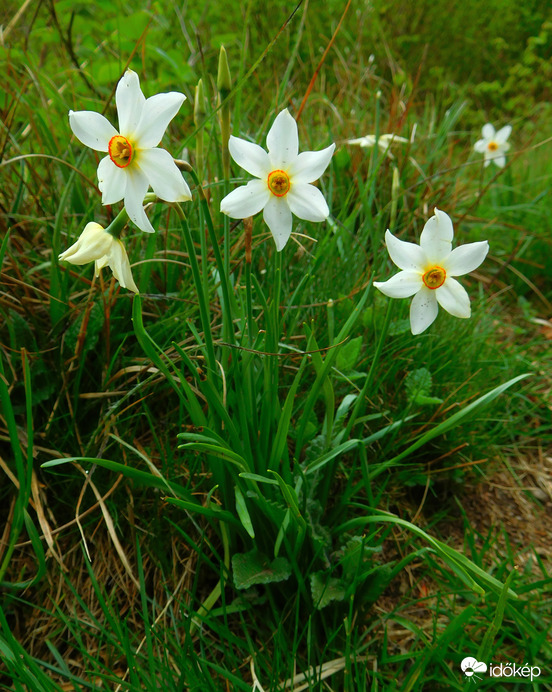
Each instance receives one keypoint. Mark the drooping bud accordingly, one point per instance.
(96, 244)
(93, 243)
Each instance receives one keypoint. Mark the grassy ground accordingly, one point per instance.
(346, 506)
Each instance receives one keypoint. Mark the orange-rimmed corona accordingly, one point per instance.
(434, 278)
(279, 183)
(492, 146)
(120, 151)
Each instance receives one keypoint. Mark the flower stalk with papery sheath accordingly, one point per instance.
(134, 162)
(224, 87)
(284, 176)
(494, 145)
(200, 113)
(428, 272)
(96, 244)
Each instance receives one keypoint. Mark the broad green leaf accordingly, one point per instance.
(418, 387)
(325, 589)
(256, 568)
(418, 382)
(344, 406)
(349, 354)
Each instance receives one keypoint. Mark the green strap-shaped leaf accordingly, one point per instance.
(449, 423)
(243, 513)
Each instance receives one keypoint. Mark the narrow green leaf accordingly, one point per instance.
(486, 645)
(281, 436)
(291, 499)
(153, 351)
(328, 364)
(243, 513)
(458, 562)
(449, 423)
(217, 451)
(257, 478)
(325, 458)
(147, 479)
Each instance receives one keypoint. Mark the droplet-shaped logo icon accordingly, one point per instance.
(470, 666)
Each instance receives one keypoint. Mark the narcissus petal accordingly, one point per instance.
(277, 216)
(249, 156)
(307, 202)
(310, 165)
(465, 258)
(247, 200)
(92, 129)
(406, 256)
(423, 310)
(282, 140)
(163, 175)
(402, 285)
(452, 296)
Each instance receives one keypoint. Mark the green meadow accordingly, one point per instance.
(233, 460)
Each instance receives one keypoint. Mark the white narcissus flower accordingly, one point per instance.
(384, 141)
(494, 144)
(134, 161)
(283, 180)
(428, 272)
(95, 244)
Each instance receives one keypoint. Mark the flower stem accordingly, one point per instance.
(223, 275)
(202, 296)
(370, 376)
(213, 597)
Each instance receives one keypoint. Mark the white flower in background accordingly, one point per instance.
(283, 180)
(494, 144)
(384, 142)
(95, 244)
(134, 162)
(428, 272)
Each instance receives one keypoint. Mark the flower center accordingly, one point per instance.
(279, 183)
(434, 277)
(492, 146)
(120, 151)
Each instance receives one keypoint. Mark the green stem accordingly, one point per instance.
(213, 597)
(275, 307)
(270, 408)
(251, 326)
(227, 304)
(359, 403)
(202, 297)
